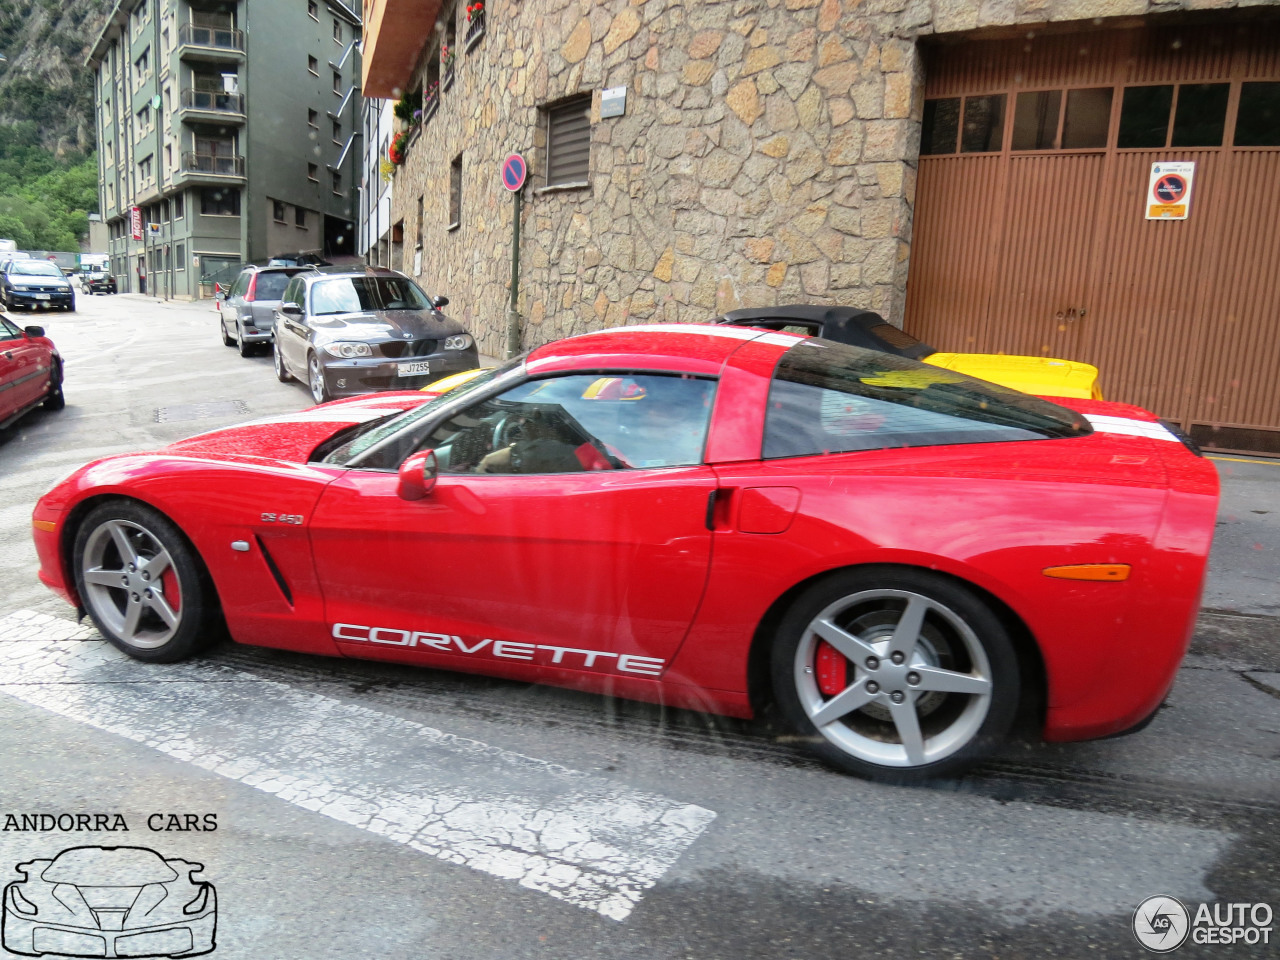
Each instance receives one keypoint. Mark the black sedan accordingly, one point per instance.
(347, 332)
(36, 285)
(97, 281)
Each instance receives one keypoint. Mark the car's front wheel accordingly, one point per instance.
(315, 378)
(227, 340)
(895, 674)
(277, 360)
(141, 582)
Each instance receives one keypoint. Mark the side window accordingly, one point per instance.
(241, 285)
(8, 331)
(579, 423)
(290, 294)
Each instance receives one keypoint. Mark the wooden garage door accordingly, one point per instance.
(1030, 233)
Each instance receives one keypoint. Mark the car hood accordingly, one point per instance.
(292, 437)
(376, 325)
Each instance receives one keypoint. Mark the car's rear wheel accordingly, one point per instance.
(895, 674)
(246, 348)
(54, 400)
(141, 582)
(277, 360)
(315, 378)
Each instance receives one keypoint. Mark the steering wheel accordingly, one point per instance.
(508, 429)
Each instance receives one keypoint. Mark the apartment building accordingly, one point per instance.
(228, 132)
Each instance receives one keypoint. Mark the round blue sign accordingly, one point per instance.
(514, 171)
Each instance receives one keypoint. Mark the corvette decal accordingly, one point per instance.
(539, 653)
(1130, 428)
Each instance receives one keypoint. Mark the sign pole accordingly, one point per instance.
(514, 171)
(513, 315)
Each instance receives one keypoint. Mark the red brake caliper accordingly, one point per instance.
(832, 669)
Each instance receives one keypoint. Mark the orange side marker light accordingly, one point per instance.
(1089, 571)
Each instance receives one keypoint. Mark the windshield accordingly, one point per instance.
(831, 398)
(356, 294)
(369, 435)
(36, 268)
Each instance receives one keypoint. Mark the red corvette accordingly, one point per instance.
(712, 517)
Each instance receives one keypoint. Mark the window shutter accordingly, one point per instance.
(569, 141)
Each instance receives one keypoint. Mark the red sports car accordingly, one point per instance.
(712, 517)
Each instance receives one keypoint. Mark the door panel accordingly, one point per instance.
(612, 561)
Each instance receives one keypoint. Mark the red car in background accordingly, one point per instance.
(30, 372)
(896, 555)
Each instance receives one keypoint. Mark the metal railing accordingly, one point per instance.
(212, 100)
(226, 166)
(223, 38)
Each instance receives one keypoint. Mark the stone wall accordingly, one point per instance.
(767, 155)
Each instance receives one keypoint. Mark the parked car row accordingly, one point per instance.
(344, 331)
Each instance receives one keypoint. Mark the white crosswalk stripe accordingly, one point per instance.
(574, 836)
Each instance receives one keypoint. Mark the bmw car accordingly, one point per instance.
(345, 332)
(897, 560)
(110, 902)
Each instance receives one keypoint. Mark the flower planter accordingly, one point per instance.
(475, 25)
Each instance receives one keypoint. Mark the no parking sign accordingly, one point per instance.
(1169, 191)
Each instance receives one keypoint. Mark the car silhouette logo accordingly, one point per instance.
(110, 902)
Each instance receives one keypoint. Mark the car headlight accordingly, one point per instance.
(200, 902)
(348, 350)
(461, 342)
(20, 903)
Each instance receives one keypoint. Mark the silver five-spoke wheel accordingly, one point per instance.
(140, 581)
(895, 673)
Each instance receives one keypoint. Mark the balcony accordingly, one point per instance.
(219, 44)
(212, 105)
(212, 165)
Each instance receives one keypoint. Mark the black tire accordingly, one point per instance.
(122, 543)
(316, 381)
(956, 673)
(277, 360)
(55, 400)
(246, 349)
(71, 305)
(222, 328)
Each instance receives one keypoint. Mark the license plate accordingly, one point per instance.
(415, 369)
(42, 296)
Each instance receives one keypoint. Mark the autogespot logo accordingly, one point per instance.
(1161, 924)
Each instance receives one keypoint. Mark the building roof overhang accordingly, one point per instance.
(395, 32)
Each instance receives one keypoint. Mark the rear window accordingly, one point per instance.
(271, 284)
(831, 398)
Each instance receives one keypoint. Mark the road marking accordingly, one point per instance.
(1264, 463)
(574, 836)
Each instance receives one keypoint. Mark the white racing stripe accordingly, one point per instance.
(574, 836)
(1129, 427)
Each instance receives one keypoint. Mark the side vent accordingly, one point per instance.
(275, 571)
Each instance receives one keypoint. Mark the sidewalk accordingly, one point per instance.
(202, 306)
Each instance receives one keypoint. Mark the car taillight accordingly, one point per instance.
(253, 288)
(200, 901)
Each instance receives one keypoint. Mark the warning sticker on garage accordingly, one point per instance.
(1169, 191)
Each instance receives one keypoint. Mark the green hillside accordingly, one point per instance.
(48, 164)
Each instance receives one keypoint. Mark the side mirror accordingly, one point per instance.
(291, 309)
(439, 302)
(34, 331)
(418, 475)
(220, 295)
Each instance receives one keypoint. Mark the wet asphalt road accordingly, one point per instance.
(1045, 851)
